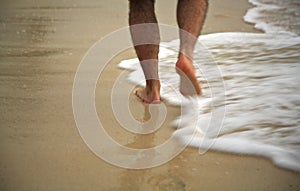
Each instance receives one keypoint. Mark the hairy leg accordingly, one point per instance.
(190, 17)
(145, 36)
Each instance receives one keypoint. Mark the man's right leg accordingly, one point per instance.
(145, 36)
(190, 17)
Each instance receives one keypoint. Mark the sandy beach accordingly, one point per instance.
(41, 46)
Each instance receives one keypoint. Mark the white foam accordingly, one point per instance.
(262, 87)
(275, 16)
(262, 102)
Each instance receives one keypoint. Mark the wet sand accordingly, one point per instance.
(41, 45)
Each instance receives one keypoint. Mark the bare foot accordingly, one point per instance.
(189, 84)
(151, 93)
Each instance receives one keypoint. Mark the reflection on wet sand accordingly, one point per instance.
(150, 179)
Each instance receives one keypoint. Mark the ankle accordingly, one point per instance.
(184, 63)
(153, 85)
(184, 58)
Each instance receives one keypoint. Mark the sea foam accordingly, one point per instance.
(251, 87)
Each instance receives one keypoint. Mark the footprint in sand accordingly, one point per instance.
(166, 183)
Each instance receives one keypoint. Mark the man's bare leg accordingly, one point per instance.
(190, 17)
(145, 36)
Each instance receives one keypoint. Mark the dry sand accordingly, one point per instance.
(41, 45)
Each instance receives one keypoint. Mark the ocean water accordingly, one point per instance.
(251, 87)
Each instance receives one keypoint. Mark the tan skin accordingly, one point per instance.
(190, 19)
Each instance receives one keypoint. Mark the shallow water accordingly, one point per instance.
(251, 88)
